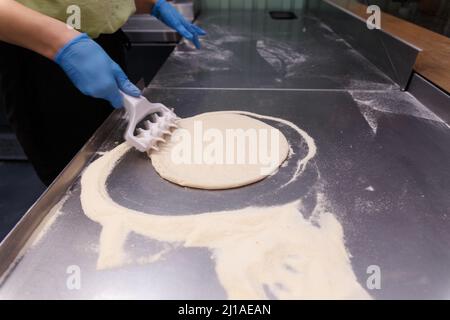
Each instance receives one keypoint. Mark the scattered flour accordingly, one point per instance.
(371, 117)
(49, 220)
(384, 84)
(283, 58)
(373, 105)
(210, 58)
(258, 252)
(219, 35)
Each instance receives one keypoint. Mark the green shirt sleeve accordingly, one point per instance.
(96, 16)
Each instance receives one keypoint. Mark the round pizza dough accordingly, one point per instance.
(204, 151)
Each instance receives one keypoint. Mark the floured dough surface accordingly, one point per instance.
(212, 164)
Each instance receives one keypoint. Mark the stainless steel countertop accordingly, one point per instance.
(368, 133)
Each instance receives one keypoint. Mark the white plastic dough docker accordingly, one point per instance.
(162, 121)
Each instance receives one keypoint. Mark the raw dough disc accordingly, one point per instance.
(225, 175)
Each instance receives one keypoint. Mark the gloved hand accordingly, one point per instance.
(171, 17)
(93, 72)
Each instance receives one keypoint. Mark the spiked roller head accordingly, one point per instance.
(163, 120)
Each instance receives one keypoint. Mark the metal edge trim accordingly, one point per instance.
(434, 97)
(364, 21)
(13, 244)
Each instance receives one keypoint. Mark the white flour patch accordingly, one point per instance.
(356, 84)
(371, 117)
(210, 58)
(283, 58)
(394, 102)
(219, 35)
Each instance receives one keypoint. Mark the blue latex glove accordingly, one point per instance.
(171, 17)
(93, 72)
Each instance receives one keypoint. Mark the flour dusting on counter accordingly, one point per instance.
(373, 105)
(258, 251)
(48, 222)
(280, 56)
(210, 58)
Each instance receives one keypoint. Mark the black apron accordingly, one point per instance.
(50, 116)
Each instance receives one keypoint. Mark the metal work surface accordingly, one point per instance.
(382, 164)
(393, 56)
(252, 50)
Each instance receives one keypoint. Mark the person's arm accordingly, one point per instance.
(30, 29)
(86, 64)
